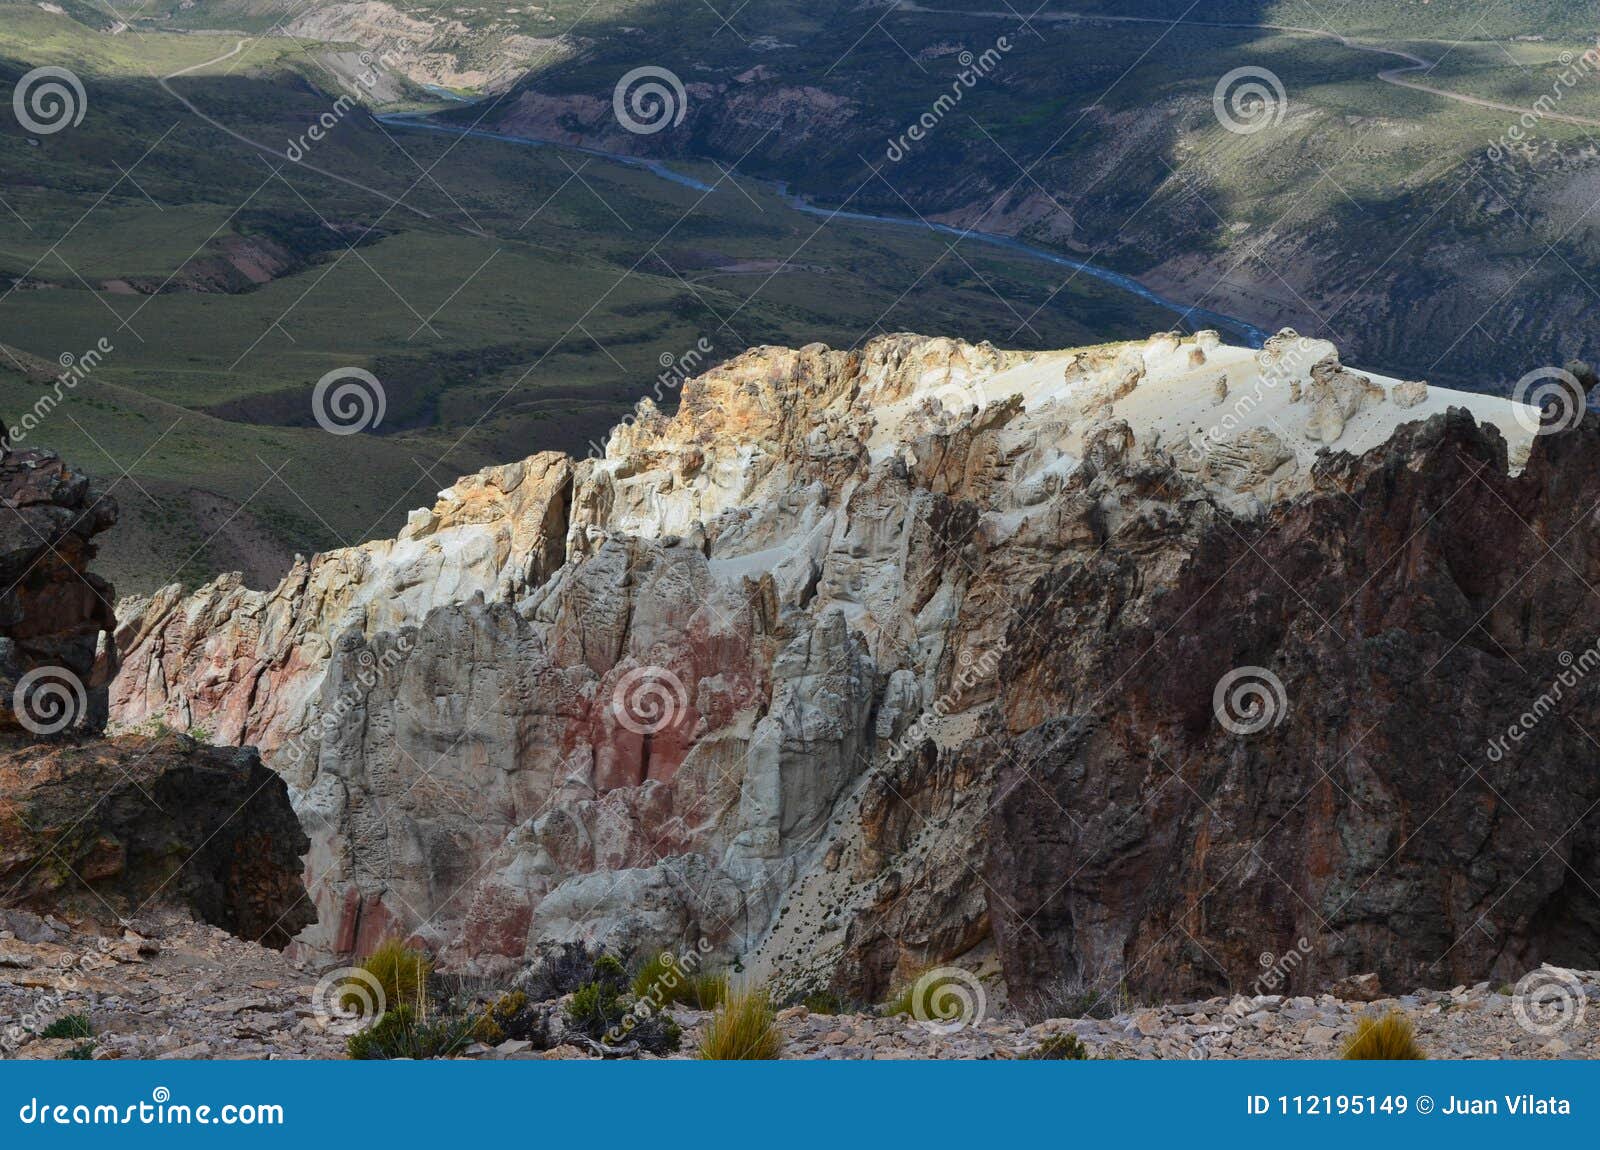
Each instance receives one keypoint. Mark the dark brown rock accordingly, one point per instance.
(1416, 605)
(114, 827)
(53, 609)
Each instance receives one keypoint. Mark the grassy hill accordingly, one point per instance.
(1387, 218)
(529, 307)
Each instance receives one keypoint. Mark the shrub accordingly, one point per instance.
(1059, 1047)
(743, 1027)
(828, 1002)
(69, 1026)
(1078, 997)
(663, 980)
(564, 968)
(399, 970)
(659, 975)
(707, 991)
(595, 1008)
(400, 1033)
(599, 1013)
(73, 1026)
(1390, 1038)
(497, 1022)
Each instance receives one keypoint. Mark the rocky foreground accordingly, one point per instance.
(174, 989)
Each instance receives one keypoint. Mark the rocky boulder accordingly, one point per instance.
(110, 828)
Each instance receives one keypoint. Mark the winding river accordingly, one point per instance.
(1190, 316)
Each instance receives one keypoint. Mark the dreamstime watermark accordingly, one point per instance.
(648, 100)
(53, 1003)
(48, 700)
(647, 700)
(348, 1000)
(348, 400)
(973, 671)
(49, 100)
(1558, 397)
(1520, 135)
(375, 68)
(1576, 669)
(1248, 700)
(676, 370)
(1549, 1000)
(1249, 100)
(973, 69)
(1276, 971)
(159, 1111)
(677, 970)
(77, 368)
(370, 670)
(947, 999)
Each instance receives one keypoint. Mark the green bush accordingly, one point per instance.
(598, 1012)
(494, 1025)
(401, 972)
(73, 1026)
(1061, 1048)
(69, 1026)
(659, 974)
(595, 1008)
(662, 981)
(828, 1002)
(707, 991)
(743, 1027)
(1390, 1038)
(400, 1033)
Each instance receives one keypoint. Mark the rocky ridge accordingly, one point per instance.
(866, 661)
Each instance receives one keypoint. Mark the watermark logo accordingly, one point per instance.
(348, 400)
(75, 369)
(1574, 670)
(648, 100)
(1249, 100)
(348, 999)
(1555, 394)
(48, 700)
(373, 71)
(973, 670)
(1548, 1001)
(1248, 700)
(947, 999)
(1520, 136)
(648, 700)
(49, 100)
(973, 69)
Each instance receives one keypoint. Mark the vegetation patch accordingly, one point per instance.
(1390, 1038)
(744, 1027)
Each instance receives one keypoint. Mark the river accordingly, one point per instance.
(1192, 316)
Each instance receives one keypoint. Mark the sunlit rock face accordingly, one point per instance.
(847, 667)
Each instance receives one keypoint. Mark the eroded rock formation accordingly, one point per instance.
(105, 828)
(867, 660)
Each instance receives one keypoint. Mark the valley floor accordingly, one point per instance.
(177, 990)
